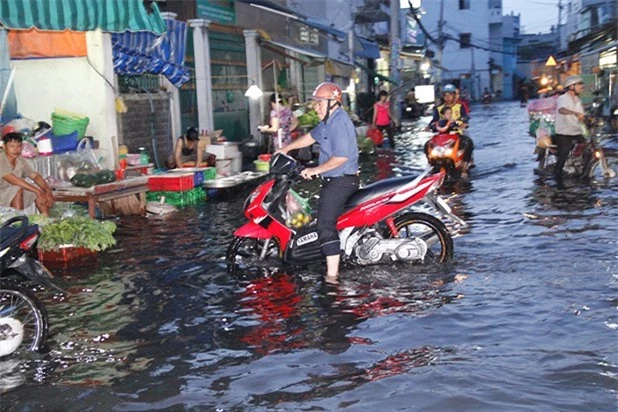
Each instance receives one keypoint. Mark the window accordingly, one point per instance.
(464, 4)
(464, 40)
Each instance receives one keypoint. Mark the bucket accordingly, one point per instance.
(44, 145)
(261, 166)
(224, 166)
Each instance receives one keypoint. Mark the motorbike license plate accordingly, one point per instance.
(443, 204)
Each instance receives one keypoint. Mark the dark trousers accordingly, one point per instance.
(333, 196)
(389, 132)
(564, 144)
(467, 145)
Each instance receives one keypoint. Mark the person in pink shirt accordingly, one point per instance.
(382, 117)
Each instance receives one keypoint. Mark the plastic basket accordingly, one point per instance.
(65, 254)
(178, 199)
(176, 183)
(67, 143)
(261, 166)
(65, 124)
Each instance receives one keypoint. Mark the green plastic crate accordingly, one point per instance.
(210, 173)
(178, 199)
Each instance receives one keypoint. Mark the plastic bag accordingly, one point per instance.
(83, 161)
(543, 138)
(298, 209)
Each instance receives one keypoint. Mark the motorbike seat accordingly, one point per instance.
(377, 189)
(9, 235)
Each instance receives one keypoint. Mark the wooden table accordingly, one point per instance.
(104, 193)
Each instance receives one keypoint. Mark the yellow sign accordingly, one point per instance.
(551, 61)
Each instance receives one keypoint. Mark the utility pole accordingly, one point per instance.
(440, 41)
(394, 68)
(352, 86)
(559, 21)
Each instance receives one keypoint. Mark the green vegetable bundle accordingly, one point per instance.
(75, 231)
(309, 119)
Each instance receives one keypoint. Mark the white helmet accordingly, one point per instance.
(571, 80)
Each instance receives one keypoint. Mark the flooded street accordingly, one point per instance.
(525, 316)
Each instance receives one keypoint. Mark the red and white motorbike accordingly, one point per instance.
(376, 227)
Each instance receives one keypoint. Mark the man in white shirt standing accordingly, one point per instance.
(569, 120)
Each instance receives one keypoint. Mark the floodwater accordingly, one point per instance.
(525, 317)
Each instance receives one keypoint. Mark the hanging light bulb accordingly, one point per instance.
(254, 92)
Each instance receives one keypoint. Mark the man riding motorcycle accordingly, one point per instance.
(459, 115)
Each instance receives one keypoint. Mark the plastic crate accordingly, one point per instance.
(167, 183)
(178, 199)
(210, 173)
(65, 254)
(198, 178)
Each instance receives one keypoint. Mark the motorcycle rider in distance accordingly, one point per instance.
(338, 166)
(460, 117)
(569, 120)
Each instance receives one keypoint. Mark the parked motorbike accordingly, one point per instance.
(486, 98)
(23, 319)
(586, 160)
(376, 226)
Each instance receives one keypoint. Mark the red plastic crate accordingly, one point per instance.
(64, 254)
(171, 183)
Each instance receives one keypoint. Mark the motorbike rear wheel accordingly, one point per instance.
(429, 229)
(596, 171)
(20, 307)
(247, 252)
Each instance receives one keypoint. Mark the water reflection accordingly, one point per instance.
(572, 196)
(284, 311)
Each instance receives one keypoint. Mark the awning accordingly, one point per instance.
(327, 29)
(369, 49)
(339, 68)
(138, 53)
(313, 54)
(81, 15)
(376, 74)
(293, 14)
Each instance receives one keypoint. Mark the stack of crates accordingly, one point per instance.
(176, 189)
(206, 173)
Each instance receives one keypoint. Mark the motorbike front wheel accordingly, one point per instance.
(430, 230)
(23, 321)
(247, 252)
(599, 174)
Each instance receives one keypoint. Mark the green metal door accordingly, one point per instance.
(229, 83)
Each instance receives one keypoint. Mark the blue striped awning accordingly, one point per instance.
(143, 52)
(81, 15)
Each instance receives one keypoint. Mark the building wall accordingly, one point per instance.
(41, 85)
(456, 60)
(333, 13)
(138, 126)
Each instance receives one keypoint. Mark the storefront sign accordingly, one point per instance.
(608, 59)
(218, 11)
